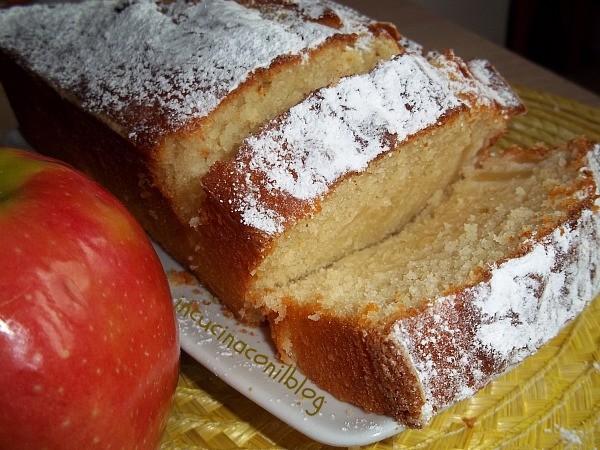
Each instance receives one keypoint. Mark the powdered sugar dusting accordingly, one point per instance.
(594, 165)
(261, 217)
(339, 130)
(346, 125)
(477, 81)
(514, 288)
(495, 324)
(491, 85)
(154, 66)
(314, 9)
(411, 46)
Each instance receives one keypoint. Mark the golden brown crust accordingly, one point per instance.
(379, 28)
(363, 366)
(356, 364)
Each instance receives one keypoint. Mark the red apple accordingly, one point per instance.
(89, 351)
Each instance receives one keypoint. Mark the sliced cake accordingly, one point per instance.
(149, 95)
(348, 166)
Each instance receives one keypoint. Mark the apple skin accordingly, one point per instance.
(89, 351)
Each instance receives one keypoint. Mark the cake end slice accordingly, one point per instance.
(491, 270)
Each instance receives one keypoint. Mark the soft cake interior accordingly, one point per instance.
(364, 209)
(479, 220)
(185, 158)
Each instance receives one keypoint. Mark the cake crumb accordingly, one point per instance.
(471, 231)
(180, 277)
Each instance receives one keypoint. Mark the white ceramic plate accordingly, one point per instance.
(244, 357)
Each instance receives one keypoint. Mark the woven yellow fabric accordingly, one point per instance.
(551, 400)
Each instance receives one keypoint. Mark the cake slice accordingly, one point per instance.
(348, 166)
(486, 274)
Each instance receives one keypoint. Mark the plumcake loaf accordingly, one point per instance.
(160, 99)
(486, 274)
